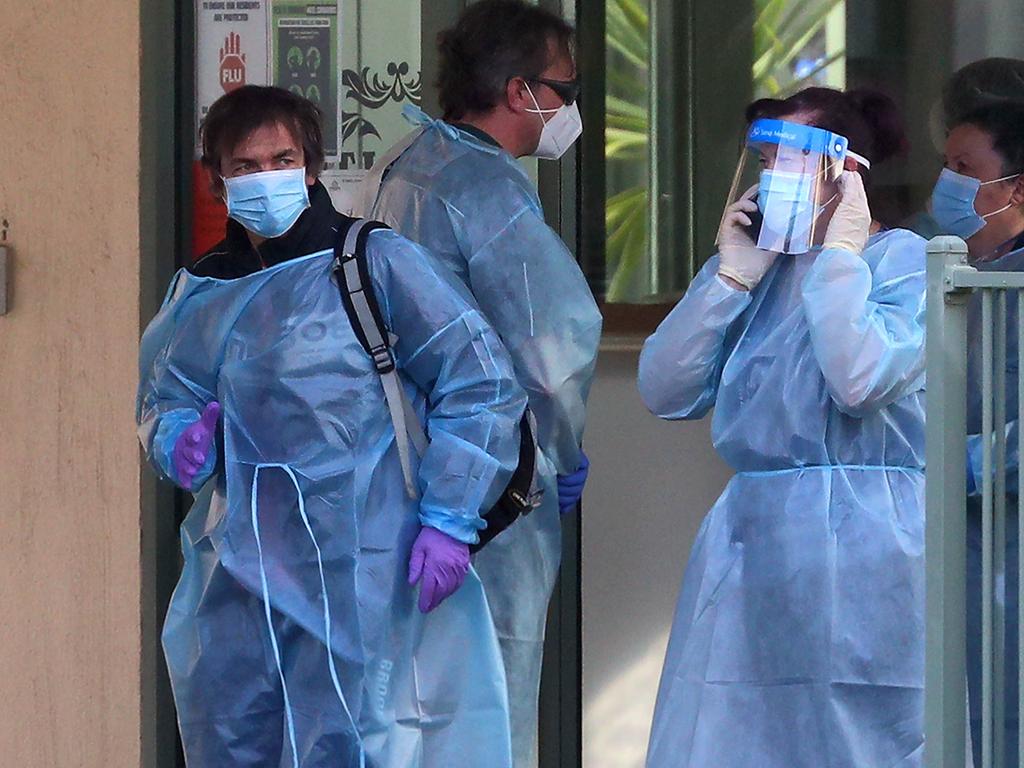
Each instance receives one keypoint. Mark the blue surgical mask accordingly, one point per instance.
(268, 203)
(784, 199)
(952, 204)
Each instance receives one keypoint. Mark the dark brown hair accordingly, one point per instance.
(980, 84)
(868, 119)
(1004, 123)
(492, 42)
(236, 115)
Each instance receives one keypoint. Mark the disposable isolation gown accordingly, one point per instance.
(1007, 580)
(305, 527)
(472, 204)
(798, 639)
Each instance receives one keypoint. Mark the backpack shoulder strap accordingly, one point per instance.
(360, 302)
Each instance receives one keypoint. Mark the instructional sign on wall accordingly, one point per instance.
(294, 45)
(358, 60)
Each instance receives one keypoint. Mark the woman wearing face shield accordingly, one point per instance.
(979, 197)
(799, 632)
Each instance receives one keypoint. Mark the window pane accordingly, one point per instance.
(798, 45)
(793, 44)
(380, 74)
(627, 126)
(679, 72)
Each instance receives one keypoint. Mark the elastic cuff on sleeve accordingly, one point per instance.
(460, 529)
(172, 425)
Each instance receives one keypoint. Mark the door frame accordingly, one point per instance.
(165, 147)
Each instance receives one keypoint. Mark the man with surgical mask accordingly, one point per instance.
(327, 613)
(508, 87)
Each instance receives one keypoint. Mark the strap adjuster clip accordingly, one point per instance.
(383, 360)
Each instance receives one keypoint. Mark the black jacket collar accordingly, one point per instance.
(235, 255)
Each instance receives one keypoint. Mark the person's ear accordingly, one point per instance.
(216, 183)
(517, 95)
(850, 164)
(1017, 195)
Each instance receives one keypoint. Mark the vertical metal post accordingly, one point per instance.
(945, 684)
(986, 529)
(560, 731)
(435, 16)
(166, 144)
(1020, 533)
(999, 555)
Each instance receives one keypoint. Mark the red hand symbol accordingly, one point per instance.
(232, 63)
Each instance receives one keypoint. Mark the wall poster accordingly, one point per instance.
(358, 60)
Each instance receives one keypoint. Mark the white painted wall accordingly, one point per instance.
(651, 484)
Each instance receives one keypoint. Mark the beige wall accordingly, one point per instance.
(652, 484)
(69, 470)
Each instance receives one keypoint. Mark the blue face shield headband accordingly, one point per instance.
(788, 163)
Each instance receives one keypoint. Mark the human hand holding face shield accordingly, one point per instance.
(740, 260)
(851, 221)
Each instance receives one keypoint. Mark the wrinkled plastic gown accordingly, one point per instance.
(306, 526)
(798, 638)
(473, 205)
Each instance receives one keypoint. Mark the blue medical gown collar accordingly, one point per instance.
(803, 137)
(421, 119)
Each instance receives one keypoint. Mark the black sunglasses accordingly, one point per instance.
(567, 90)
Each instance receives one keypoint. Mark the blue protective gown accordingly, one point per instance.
(472, 204)
(798, 639)
(292, 638)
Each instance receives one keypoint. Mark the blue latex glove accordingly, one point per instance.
(439, 564)
(193, 446)
(570, 487)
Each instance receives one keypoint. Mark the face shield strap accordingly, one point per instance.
(861, 160)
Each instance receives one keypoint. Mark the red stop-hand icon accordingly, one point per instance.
(232, 63)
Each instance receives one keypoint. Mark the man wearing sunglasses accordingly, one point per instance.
(508, 87)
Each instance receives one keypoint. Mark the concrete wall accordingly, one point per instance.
(69, 469)
(651, 485)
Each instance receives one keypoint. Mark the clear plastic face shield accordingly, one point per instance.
(791, 171)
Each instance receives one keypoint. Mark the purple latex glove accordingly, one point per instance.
(570, 487)
(440, 564)
(193, 445)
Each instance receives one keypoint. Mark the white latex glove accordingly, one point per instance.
(739, 258)
(851, 221)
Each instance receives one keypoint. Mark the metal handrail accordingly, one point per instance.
(951, 283)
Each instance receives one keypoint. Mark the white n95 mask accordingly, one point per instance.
(560, 132)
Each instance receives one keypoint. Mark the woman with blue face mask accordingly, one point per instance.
(979, 196)
(799, 632)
